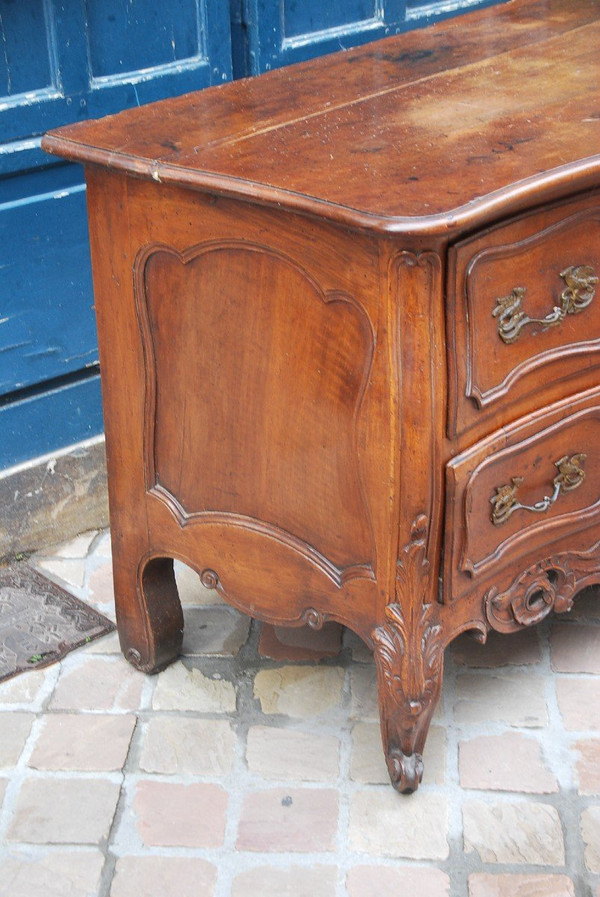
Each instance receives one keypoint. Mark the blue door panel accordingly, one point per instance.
(280, 32)
(64, 84)
(286, 31)
(24, 61)
(58, 417)
(47, 327)
(60, 61)
(302, 18)
(126, 37)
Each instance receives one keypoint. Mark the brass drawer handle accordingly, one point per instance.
(577, 295)
(570, 475)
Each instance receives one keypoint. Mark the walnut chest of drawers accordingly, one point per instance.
(350, 343)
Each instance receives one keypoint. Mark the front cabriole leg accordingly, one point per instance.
(409, 657)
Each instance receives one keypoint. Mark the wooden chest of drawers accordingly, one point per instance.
(350, 343)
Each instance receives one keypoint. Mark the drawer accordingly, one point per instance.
(523, 315)
(523, 489)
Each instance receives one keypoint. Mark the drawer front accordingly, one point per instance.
(524, 315)
(526, 487)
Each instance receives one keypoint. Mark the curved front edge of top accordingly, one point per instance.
(546, 186)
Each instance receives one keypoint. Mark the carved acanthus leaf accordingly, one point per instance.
(409, 654)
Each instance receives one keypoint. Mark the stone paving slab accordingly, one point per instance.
(241, 773)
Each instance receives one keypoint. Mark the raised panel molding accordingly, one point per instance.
(316, 419)
(485, 396)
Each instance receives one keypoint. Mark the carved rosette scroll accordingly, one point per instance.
(550, 585)
(409, 658)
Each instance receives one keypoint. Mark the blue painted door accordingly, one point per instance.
(61, 60)
(271, 33)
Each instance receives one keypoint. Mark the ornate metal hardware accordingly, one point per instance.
(577, 295)
(505, 502)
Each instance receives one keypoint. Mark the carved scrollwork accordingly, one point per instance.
(409, 658)
(209, 579)
(549, 585)
(314, 618)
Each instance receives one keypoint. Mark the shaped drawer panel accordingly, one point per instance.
(524, 315)
(525, 487)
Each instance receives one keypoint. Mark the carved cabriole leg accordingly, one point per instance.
(408, 637)
(409, 654)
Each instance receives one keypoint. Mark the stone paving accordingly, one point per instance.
(252, 766)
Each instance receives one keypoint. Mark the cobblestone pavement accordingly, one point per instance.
(252, 767)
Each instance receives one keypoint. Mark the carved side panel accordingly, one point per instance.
(255, 381)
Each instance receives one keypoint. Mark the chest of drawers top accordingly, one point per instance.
(434, 131)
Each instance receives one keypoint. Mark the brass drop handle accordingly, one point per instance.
(579, 291)
(505, 502)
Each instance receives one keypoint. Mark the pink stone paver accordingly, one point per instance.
(98, 683)
(590, 832)
(375, 881)
(363, 682)
(384, 824)
(100, 586)
(547, 885)
(70, 570)
(59, 810)
(299, 691)
(588, 766)
(514, 698)
(281, 754)
(170, 814)
(86, 743)
(67, 873)
(579, 702)
(163, 876)
(14, 731)
(186, 746)
(507, 762)
(576, 648)
(295, 820)
(289, 881)
(24, 689)
(514, 832)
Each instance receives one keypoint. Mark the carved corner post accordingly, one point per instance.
(409, 644)
(409, 656)
(149, 615)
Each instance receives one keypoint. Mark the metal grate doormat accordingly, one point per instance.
(39, 621)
